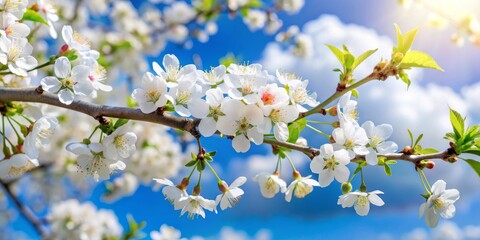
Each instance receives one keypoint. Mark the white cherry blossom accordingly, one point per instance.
(255, 19)
(16, 53)
(74, 40)
(361, 201)
(12, 28)
(15, 8)
(331, 164)
(173, 73)
(270, 184)
(377, 136)
(195, 205)
(166, 233)
(171, 192)
(231, 194)
(291, 6)
(244, 81)
(347, 109)
(299, 95)
(179, 12)
(352, 138)
(16, 165)
(42, 131)
(183, 96)
(440, 203)
(271, 97)
(91, 160)
(241, 121)
(209, 111)
(68, 82)
(300, 187)
(121, 143)
(152, 93)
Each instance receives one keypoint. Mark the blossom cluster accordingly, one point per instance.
(73, 220)
(241, 101)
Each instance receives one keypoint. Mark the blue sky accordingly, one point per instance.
(317, 216)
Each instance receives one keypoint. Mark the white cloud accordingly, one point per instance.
(423, 109)
(235, 234)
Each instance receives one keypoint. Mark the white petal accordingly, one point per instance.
(170, 61)
(207, 127)
(51, 84)
(62, 67)
(66, 96)
(280, 131)
(362, 210)
(371, 157)
(325, 177)
(375, 199)
(238, 182)
(240, 143)
(199, 108)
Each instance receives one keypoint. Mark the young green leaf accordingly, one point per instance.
(420, 60)
(399, 38)
(418, 140)
(33, 16)
(337, 52)
(388, 170)
(404, 77)
(474, 164)
(362, 57)
(458, 123)
(120, 122)
(411, 137)
(295, 128)
(408, 39)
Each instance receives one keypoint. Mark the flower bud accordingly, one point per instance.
(196, 190)
(336, 124)
(296, 174)
(407, 150)
(429, 164)
(346, 187)
(223, 186)
(332, 111)
(397, 57)
(381, 65)
(363, 188)
(63, 49)
(184, 184)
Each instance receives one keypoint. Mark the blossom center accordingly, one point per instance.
(362, 200)
(183, 97)
(268, 98)
(119, 141)
(153, 95)
(172, 74)
(299, 95)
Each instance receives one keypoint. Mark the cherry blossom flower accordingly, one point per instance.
(270, 184)
(173, 73)
(12, 28)
(352, 138)
(97, 77)
(74, 40)
(183, 95)
(152, 94)
(166, 233)
(291, 6)
(178, 12)
(361, 201)
(244, 81)
(195, 205)
(68, 82)
(230, 194)
(299, 95)
(439, 203)
(331, 164)
(16, 165)
(171, 192)
(14, 8)
(91, 160)
(240, 121)
(300, 187)
(347, 109)
(50, 11)
(209, 111)
(42, 131)
(377, 144)
(16, 53)
(121, 143)
(255, 19)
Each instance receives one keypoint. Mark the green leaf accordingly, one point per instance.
(427, 151)
(349, 61)
(408, 39)
(255, 3)
(404, 77)
(33, 16)
(411, 137)
(212, 153)
(358, 169)
(295, 128)
(418, 140)
(201, 166)
(355, 93)
(191, 163)
(473, 151)
(391, 162)
(388, 170)
(458, 123)
(474, 164)
(399, 38)
(420, 60)
(337, 52)
(120, 122)
(362, 57)
(131, 103)
(208, 4)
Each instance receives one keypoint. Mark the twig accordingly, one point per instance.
(25, 210)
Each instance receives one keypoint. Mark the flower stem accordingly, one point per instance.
(219, 180)
(291, 162)
(191, 173)
(318, 122)
(278, 164)
(318, 131)
(19, 138)
(424, 184)
(94, 130)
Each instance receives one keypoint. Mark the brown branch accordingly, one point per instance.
(94, 110)
(312, 152)
(26, 212)
(186, 124)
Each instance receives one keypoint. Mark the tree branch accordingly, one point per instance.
(186, 124)
(95, 110)
(312, 152)
(24, 210)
